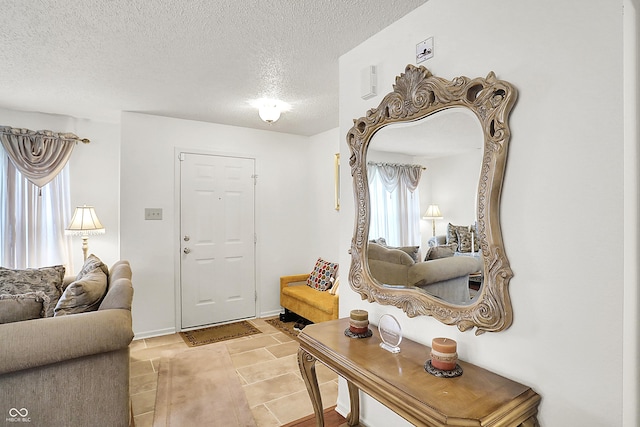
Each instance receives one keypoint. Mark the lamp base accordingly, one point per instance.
(85, 246)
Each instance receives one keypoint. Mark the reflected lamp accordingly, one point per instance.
(433, 213)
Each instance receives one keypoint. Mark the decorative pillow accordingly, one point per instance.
(412, 251)
(91, 263)
(45, 279)
(466, 239)
(380, 240)
(84, 294)
(16, 308)
(443, 251)
(452, 235)
(323, 275)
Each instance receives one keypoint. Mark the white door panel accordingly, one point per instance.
(218, 259)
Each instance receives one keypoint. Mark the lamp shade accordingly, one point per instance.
(433, 212)
(84, 222)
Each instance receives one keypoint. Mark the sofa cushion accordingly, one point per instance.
(323, 275)
(444, 251)
(91, 263)
(16, 308)
(452, 235)
(46, 279)
(412, 251)
(322, 301)
(466, 239)
(85, 294)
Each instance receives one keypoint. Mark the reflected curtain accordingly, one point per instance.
(395, 205)
(34, 198)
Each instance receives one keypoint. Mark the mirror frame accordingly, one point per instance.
(417, 94)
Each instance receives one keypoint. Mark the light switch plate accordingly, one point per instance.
(152, 213)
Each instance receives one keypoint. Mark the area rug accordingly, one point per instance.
(218, 333)
(200, 387)
(286, 327)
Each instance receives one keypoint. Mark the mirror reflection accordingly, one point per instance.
(423, 179)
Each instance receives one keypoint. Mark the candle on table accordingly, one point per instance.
(359, 315)
(359, 321)
(444, 353)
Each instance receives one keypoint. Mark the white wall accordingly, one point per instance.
(94, 171)
(452, 183)
(324, 218)
(631, 350)
(286, 208)
(565, 160)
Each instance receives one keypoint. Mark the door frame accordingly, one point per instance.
(177, 284)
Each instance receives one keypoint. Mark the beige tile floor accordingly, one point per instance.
(265, 363)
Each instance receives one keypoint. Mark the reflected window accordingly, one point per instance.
(395, 203)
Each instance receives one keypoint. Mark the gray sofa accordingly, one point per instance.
(445, 278)
(71, 370)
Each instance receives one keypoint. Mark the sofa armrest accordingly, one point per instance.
(291, 280)
(55, 339)
(437, 270)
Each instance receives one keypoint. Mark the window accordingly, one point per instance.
(32, 220)
(395, 205)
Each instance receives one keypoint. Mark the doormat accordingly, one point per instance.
(286, 327)
(219, 333)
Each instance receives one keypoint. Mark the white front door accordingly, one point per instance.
(217, 241)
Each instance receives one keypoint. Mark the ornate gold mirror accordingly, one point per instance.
(418, 97)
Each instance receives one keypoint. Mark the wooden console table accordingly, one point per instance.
(399, 381)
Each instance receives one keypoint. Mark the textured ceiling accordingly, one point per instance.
(193, 59)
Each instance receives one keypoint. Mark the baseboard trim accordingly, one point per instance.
(270, 313)
(156, 333)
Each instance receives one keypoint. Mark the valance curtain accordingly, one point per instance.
(39, 156)
(395, 205)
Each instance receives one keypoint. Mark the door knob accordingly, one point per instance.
(186, 250)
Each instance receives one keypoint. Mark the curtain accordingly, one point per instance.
(39, 156)
(395, 205)
(34, 197)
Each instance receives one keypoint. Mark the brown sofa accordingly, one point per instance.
(316, 306)
(71, 370)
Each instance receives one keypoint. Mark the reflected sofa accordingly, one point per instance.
(446, 278)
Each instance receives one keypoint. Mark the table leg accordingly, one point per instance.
(353, 417)
(307, 365)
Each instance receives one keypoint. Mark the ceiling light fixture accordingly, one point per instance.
(270, 109)
(270, 113)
